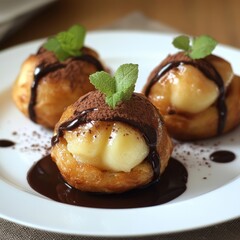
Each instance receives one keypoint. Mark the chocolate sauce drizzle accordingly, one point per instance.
(6, 143)
(149, 134)
(45, 178)
(42, 70)
(212, 75)
(70, 125)
(222, 156)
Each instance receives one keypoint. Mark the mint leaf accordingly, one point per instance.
(126, 76)
(67, 44)
(53, 45)
(200, 46)
(79, 34)
(118, 88)
(103, 82)
(182, 42)
(113, 100)
(120, 96)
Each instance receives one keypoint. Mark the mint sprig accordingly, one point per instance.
(119, 87)
(67, 44)
(199, 47)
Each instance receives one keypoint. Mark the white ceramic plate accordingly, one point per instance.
(212, 194)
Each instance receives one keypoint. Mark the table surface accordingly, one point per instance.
(218, 18)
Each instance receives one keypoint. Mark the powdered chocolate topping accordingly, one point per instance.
(71, 67)
(138, 109)
(199, 63)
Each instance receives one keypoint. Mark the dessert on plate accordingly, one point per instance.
(56, 76)
(111, 140)
(196, 91)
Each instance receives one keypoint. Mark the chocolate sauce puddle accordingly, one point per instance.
(6, 143)
(214, 76)
(42, 70)
(45, 178)
(222, 156)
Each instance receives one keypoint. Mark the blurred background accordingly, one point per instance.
(25, 20)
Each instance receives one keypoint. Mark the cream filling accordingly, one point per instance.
(191, 91)
(112, 146)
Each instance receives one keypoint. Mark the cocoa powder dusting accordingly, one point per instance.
(138, 109)
(72, 67)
